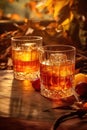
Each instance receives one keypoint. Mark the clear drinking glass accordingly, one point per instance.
(25, 56)
(57, 66)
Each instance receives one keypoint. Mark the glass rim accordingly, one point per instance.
(26, 38)
(67, 48)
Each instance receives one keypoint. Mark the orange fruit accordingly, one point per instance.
(86, 77)
(79, 78)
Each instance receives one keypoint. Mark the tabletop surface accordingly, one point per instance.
(19, 100)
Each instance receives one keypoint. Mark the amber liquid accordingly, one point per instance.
(57, 78)
(25, 62)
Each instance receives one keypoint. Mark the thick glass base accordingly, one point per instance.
(56, 94)
(26, 76)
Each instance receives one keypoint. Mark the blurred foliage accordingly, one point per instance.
(4, 3)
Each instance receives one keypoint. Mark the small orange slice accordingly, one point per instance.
(80, 77)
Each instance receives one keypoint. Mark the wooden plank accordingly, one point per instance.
(18, 124)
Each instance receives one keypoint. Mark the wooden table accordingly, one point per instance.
(23, 107)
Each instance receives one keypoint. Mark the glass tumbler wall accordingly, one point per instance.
(25, 56)
(57, 66)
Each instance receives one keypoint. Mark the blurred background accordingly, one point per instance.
(20, 9)
(69, 15)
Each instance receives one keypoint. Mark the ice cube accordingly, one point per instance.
(58, 58)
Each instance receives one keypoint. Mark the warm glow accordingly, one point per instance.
(27, 85)
(54, 8)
